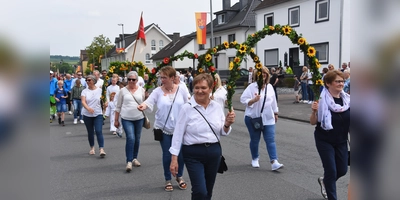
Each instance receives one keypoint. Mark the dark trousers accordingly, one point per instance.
(276, 94)
(202, 162)
(334, 160)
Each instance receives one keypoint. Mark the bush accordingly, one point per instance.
(288, 82)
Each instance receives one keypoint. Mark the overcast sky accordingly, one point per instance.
(76, 22)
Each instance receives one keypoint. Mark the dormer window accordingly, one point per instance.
(221, 19)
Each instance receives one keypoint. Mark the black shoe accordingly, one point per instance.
(62, 123)
(59, 120)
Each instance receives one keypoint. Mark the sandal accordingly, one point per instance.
(168, 186)
(102, 153)
(91, 152)
(181, 183)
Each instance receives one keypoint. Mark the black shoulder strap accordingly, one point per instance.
(265, 96)
(177, 90)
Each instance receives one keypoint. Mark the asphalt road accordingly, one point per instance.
(77, 175)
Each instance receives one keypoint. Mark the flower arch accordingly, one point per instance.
(120, 68)
(297, 39)
(234, 67)
(166, 62)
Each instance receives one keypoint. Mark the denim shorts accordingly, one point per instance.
(61, 107)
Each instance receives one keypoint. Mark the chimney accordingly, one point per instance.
(176, 37)
(226, 4)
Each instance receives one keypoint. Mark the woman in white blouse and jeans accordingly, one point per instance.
(163, 97)
(131, 118)
(254, 102)
(201, 151)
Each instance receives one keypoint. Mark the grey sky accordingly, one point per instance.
(75, 23)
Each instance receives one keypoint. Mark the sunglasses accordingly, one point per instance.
(88, 80)
(79, 74)
(131, 79)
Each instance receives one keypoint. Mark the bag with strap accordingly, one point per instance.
(146, 123)
(222, 164)
(257, 121)
(158, 133)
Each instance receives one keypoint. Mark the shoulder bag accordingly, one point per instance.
(257, 121)
(222, 164)
(146, 123)
(158, 133)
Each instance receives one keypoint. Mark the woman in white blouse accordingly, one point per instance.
(132, 119)
(200, 148)
(253, 100)
(220, 93)
(92, 114)
(166, 119)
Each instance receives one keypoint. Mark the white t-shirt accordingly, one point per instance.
(100, 83)
(93, 101)
(111, 89)
(220, 97)
(127, 106)
(140, 82)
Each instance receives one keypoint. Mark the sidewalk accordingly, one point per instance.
(287, 110)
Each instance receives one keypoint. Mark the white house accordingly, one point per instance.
(156, 39)
(324, 23)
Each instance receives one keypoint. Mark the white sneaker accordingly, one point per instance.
(323, 191)
(310, 102)
(255, 163)
(70, 113)
(276, 165)
(136, 163)
(301, 101)
(305, 101)
(129, 167)
(75, 121)
(82, 122)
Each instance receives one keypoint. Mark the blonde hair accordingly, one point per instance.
(263, 70)
(218, 80)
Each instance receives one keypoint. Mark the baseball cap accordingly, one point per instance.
(51, 72)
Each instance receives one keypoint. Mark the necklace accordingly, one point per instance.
(168, 91)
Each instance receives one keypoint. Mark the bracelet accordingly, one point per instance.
(226, 126)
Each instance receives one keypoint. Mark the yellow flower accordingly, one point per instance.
(259, 73)
(319, 82)
(256, 59)
(301, 41)
(229, 87)
(107, 78)
(111, 71)
(133, 63)
(208, 57)
(253, 35)
(122, 65)
(214, 50)
(234, 42)
(271, 28)
(310, 52)
(258, 66)
(236, 60)
(201, 70)
(252, 50)
(242, 48)
(287, 30)
(317, 64)
(230, 65)
(226, 44)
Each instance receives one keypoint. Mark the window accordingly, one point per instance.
(217, 41)
(322, 52)
(153, 45)
(221, 19)
(230, 59)
(321, 11)
(201, 46)
(271, 57)
(231, 38)
(148, 58)
(269, 19)
(294, 16)
(161, 44)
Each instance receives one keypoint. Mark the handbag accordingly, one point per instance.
(257, 121)
(158, 133)
(146, 123)
(222, 164)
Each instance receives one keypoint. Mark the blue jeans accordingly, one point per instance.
(269, 138)
(310, 92)
(133, 131)
(77, 108)
(94, 124)
(166, 157)
(334, 160)
(202, 164)
(304, 93)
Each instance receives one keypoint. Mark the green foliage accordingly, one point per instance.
(97, 49)
(288, 82)
(87, 71)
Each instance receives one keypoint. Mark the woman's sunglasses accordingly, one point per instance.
(131, 79)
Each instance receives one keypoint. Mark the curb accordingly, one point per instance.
(280, 116)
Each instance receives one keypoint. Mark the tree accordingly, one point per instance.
(97, 49)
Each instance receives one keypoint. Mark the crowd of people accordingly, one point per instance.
(191, 119)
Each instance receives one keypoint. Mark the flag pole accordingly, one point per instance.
(134, 49)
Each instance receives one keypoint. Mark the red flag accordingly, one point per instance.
(141, 37)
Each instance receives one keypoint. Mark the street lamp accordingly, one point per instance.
(123, 40)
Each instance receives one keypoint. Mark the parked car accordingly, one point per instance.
(244, 76)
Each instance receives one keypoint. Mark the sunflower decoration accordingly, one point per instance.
(256, 59)
(286, 30)
(272, 28)
(234, 43)
(242, 48)
(230, 66)
(201, 70)
(317, 64)
(226, 45)
(258, 66)
(237, 60)
(215, 50)
(311, 51)
(208, 57)
(301, 41)
(319, 82)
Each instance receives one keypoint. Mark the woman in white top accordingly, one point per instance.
(220, 93)
(253, 100)
(92, 114)
(163, 97)
(200, 148)
(132, 119)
